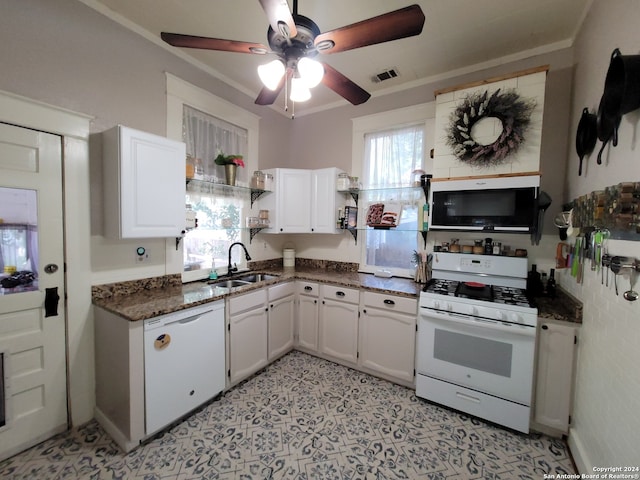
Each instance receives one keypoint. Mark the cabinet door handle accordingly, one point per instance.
(316, 301)
(308, 288)
(340, 294)
(389, 302)
(544, 327)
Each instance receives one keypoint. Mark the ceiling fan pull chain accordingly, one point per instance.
(286, 92)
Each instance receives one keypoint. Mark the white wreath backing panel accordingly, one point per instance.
(507, 106)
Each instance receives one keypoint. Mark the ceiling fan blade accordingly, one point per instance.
(267, 96)
(402, 23)
(206, 43)
(343, 86)
(280, 17)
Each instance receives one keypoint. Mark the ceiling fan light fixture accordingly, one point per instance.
(311, 71)
(271, 73)
(299, 91)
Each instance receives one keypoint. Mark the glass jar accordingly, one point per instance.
(343, 182)
(258, 180)
(253, 222)
(268, 182)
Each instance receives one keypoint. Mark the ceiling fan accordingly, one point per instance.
(296, 40)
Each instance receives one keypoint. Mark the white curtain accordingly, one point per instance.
(206, 136)
(391, 156)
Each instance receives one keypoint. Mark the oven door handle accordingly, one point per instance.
(484, 323)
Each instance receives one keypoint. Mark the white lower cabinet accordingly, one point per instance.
(307, 316)
(339, 323)
(388, 335)
(555, 373)
(248, 333)
(281, 319)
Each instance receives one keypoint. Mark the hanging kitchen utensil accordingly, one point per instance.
(606, 124)
(571, 230)
(621, 95)
(586, 135)
(622, 83)
(616, 264)
(562, 222)
(631, 295)
(543, 202)
(606, 263)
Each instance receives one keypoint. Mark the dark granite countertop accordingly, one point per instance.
(147, 298)
(563, 307)
(143, 299)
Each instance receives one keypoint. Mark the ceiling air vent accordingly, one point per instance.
(385, 75)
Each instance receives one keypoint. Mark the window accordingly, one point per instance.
(390, 157)
(390, 147)
(220, 210)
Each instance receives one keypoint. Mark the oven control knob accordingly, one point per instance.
(473, 310)
(515, 318)
(500, 315)
(436, 304)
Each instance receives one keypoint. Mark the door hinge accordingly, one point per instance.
(575, 339)
(357, 354)
(569, 419)
(228, 329)
(416, 327)
(228, 373)
(414, 372)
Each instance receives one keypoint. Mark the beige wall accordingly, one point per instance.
(606, 423)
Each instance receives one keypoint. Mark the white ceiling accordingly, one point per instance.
(459, 36)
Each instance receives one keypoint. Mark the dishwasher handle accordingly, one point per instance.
(183, 316)
(193, 318)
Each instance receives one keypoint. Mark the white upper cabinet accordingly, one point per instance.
(144, 184)
(303, 201)
(324, 200)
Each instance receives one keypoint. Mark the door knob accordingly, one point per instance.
(51, 268)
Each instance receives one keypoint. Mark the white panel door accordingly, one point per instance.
(32, 341)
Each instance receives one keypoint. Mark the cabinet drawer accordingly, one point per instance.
(342, 294)
(307, 288)
(391, 302)
(247, 301)
(281, 290)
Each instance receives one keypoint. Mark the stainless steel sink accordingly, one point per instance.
(229, 283)
(256, 277)
(242, 280)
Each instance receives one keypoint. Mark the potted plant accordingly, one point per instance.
(231, 163)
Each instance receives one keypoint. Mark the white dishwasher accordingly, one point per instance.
(184, 362)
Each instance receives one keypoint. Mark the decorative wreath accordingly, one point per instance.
(508, 107)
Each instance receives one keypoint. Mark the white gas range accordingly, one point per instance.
(476, 338)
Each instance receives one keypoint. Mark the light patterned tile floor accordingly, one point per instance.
(304, 418)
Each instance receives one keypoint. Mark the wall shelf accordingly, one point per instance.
(203, 186)
(356, 194)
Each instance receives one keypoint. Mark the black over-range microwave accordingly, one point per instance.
(501, 204)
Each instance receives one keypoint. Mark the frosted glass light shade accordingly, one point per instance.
(299, 91)
(310, 71)
(271, 73)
